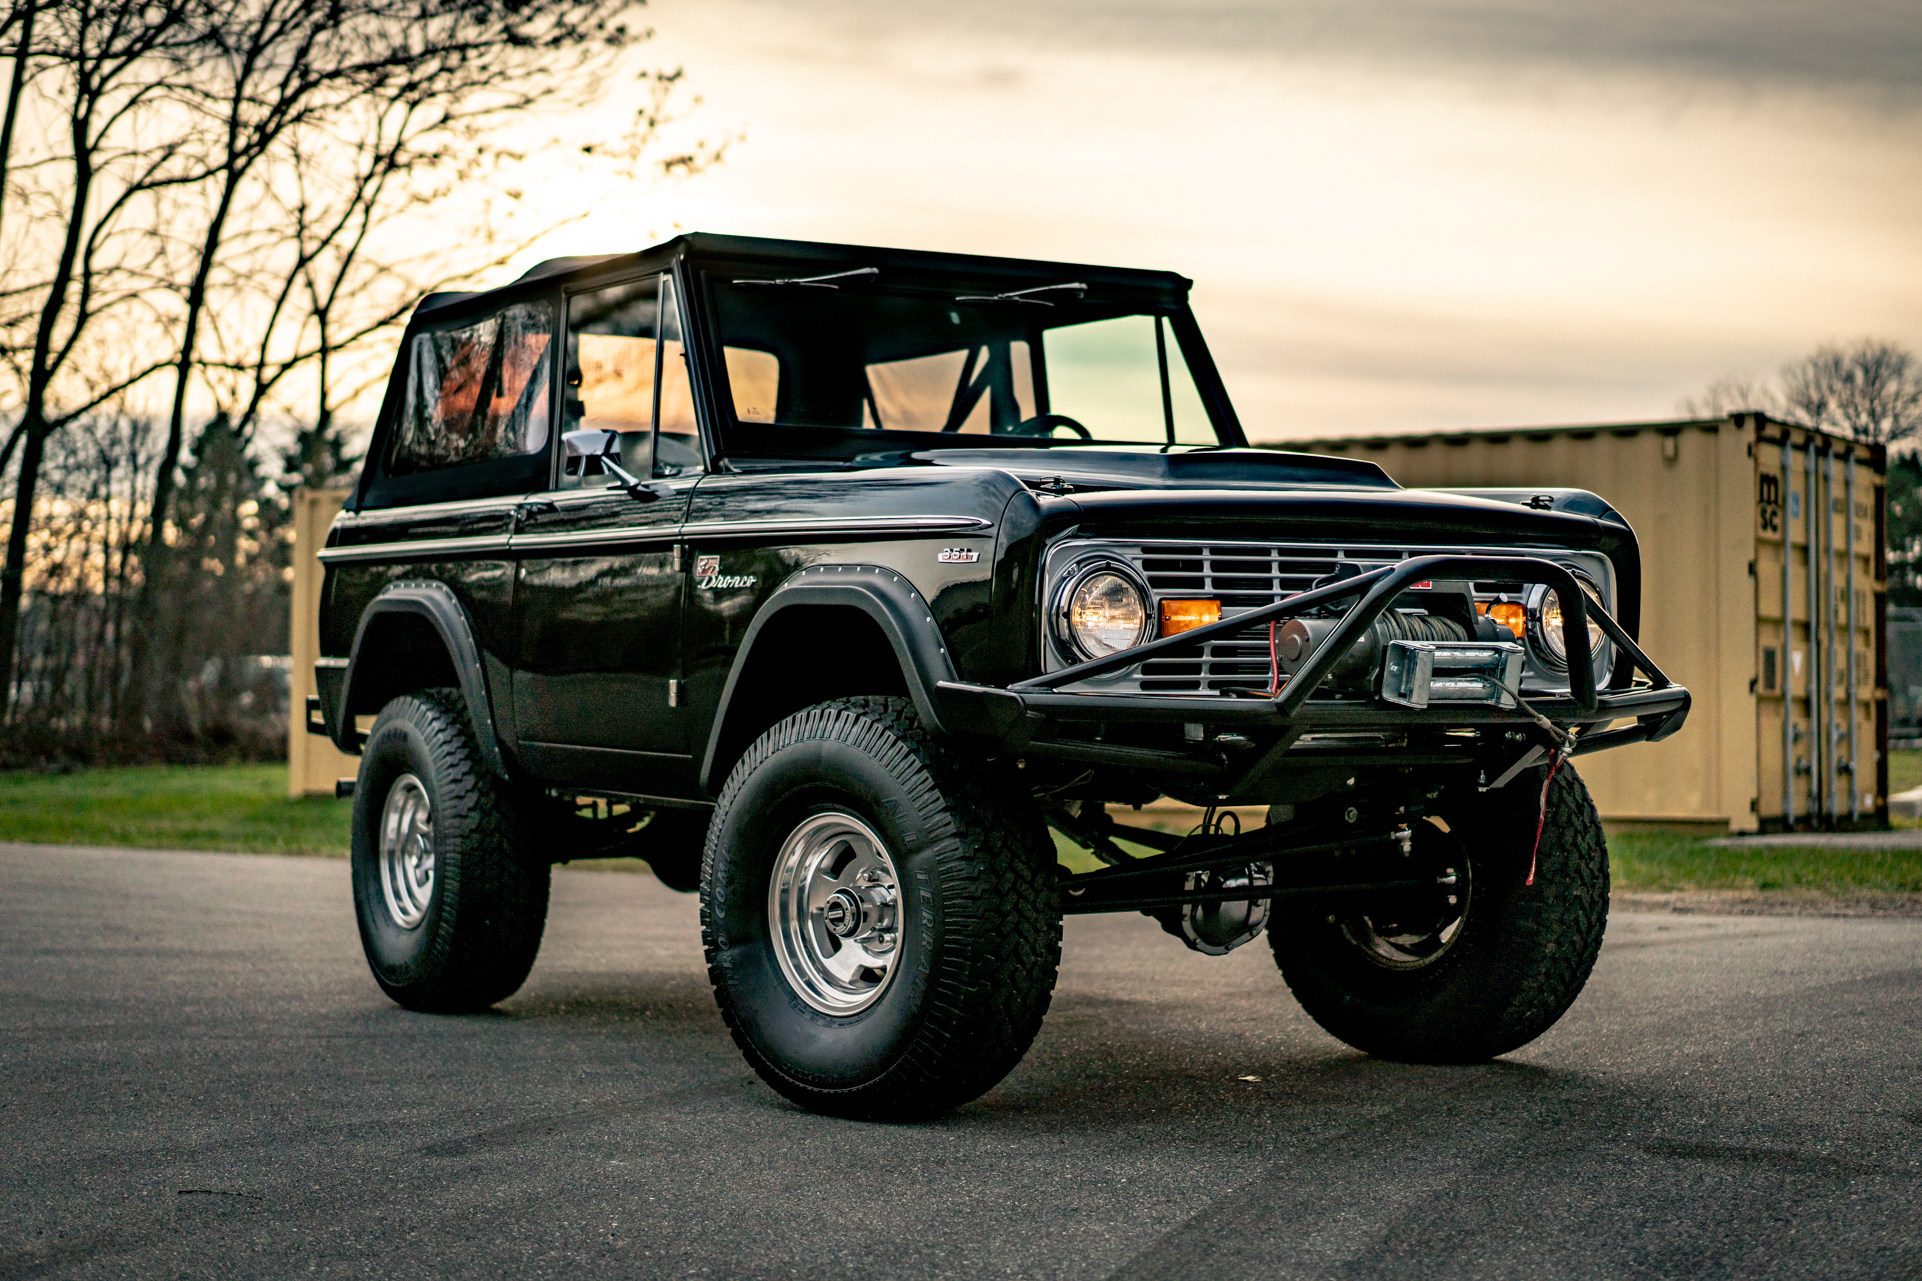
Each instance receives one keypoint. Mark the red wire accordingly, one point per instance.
(1555, 763)
(1274, 664)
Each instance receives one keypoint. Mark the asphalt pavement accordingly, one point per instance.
(198, 1078)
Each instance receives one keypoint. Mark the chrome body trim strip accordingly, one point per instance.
(840, 525)
(426, 511)
(562, 539)
(414, 549)
(431, 548)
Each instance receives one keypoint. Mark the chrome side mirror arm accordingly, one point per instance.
(599, 443)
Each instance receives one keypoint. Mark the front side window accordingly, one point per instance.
(477, 391)
(627, 365)
(870, 355)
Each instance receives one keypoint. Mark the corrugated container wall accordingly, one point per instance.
(1710, 502)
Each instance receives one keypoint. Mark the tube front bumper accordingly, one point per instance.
(1040, 717)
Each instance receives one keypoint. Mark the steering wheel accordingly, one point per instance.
(1044, 425)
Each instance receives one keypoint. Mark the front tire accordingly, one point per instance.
(450, 908)
(879, 917)
(1421, 979)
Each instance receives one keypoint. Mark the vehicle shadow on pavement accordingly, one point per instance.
(656, 1003)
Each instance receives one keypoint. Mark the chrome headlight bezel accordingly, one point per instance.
(1071, 581)
(1549, 653)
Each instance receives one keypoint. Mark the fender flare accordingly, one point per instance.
(884, 595)
(450, 620)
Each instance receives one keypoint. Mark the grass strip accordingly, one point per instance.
(245, 808)
(1668, 863)
(238, 808)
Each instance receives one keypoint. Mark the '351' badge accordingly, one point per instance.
(958, 556)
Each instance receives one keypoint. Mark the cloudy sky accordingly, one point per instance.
(1422, 214)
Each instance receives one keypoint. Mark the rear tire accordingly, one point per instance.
(879, 917)
(1396, 979)
(450, 908)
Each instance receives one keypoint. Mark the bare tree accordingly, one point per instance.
(397, 102)
(16, 26)
(234, 195)
(1731, 394)
(84, 571)
(343, 281)
(278, 67)
(1870, 389)
(111, 157)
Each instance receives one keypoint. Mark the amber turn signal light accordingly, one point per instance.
(1510, 615)
(1186, 615)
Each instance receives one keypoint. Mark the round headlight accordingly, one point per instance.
(1106, 611)
(1549, 623)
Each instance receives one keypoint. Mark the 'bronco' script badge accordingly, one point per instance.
(708, 575)
(958, 556)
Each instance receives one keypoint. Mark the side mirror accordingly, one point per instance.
(589, 442)
(592, 451)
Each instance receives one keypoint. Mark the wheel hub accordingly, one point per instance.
(841, 914)
(833, 913)
(1416, 928)
(407, 852)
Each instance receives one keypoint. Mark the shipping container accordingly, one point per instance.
(1756, 597)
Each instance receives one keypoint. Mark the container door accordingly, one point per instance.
(1816, 599)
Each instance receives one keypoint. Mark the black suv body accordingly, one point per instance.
(828, 578)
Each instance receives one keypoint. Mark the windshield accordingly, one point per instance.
(831, 365)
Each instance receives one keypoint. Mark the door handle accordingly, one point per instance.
(539, 507)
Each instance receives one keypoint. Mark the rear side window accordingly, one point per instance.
(755, 377)
(477, 391)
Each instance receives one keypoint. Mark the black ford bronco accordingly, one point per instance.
(828, 580)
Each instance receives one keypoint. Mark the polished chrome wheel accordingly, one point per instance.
(407, 851)
(834, 913)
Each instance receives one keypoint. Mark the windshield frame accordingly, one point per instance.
(1159, 294)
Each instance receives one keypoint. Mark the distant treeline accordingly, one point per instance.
(214, 217)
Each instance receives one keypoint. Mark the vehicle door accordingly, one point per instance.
(599, 595)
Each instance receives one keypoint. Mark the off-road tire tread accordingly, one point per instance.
(497, 888)
(987, 999)
(1532, 956)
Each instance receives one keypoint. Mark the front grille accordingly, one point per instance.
(1245, 576)
(1241, 577)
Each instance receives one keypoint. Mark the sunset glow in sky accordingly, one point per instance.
(1398, 216)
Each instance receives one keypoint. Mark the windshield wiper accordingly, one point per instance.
(811, 282)
(1027, 295)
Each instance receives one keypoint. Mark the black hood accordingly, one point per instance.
(1105, 467)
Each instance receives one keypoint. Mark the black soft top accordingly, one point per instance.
(807, 257)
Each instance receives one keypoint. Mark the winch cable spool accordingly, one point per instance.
(1364, 655)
